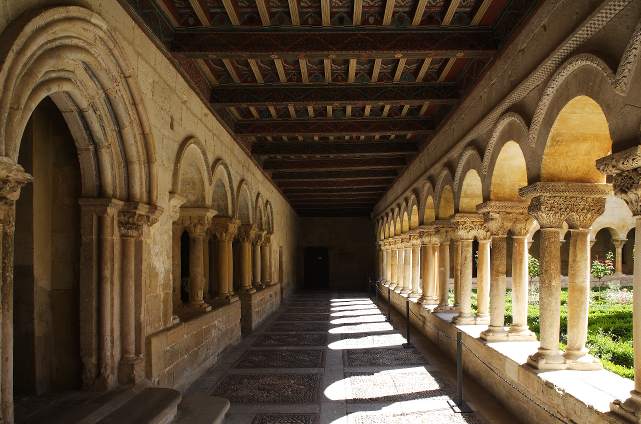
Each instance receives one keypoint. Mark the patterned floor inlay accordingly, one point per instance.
(256, 358)
(286, 419)
(383, 357)
(305, 310)
(303, 317)
(394, 386)
(292, 339)
(298, 327)
(270, 388)
(444, 416)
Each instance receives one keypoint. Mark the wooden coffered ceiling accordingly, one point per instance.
(333, 98)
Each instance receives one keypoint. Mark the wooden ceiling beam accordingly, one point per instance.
(418, 14)
(201, 12)
(365, 182)
(231, 7)
(293, 12)
(340, 127)
(327, 213)
(334, 94)
(312, 174)
(334, 191)
(263, 11)
(358, 12)
(389, 12)
(362, 149)
(416, 42)
(334, 164)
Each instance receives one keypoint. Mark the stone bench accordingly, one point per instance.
(199, 408)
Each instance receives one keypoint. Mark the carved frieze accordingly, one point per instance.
(247, 233)
(133, 216)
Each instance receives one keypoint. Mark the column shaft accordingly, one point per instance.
(465, 315)
(222, 268)
(444, 275)
(579, 301)
(457, 273)
(426, 271)
(407, 265)
(257, 258)
(196, 271)
(245, 265)
(498, 254)
(416, 270)
(483, 283)
(548, 355)
(520, 283)
(128, 298)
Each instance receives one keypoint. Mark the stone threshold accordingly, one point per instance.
(541, 396)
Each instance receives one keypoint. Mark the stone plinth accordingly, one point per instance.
(258, 306)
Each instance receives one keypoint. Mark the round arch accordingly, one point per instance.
(222, 183)
(191, 178)
(244, 210)
(71, 55)
(509, 173)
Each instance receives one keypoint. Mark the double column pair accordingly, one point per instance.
(262, 260)
(503, 218)
(553, 204)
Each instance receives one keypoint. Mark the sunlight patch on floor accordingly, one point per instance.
(362, 328)
(367, 342)
(358, 320)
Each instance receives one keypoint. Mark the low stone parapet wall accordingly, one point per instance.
(180, 354)
(258, 306)
(534, 396)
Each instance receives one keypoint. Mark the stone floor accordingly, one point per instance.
(328, 358)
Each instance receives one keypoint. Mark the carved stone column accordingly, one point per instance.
(502, 217)
(99, 323)
(265, 266)
(457, 274)
(415, 242)
(406, 289)
(618, 256)
(467, 227)
(246, 234)
(444, 233)
(395, 264)
(12, 179)
(427, 238)
(175, 203)
(483, 283)
(196, 222)
(133, 219)
(257, 258)
(552, 204)
(625, 167)
(224, 230)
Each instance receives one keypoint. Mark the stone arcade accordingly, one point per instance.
(176, 175)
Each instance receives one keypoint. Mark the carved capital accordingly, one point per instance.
(133, 216)
(428, 234)
(414, 238)
(468, 226)
(259, 237)
(503, 216)
(246, 233)
(175, 203)
(196, 220)
(224, 228)
(578, 204)
(625, 168)
(12, 178)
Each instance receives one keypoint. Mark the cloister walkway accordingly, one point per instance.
(333, 358)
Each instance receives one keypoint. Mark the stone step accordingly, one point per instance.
(151, 406)
(199, 408)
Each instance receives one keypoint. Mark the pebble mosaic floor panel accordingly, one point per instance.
(329, 359)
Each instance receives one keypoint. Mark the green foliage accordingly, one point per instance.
(603, 267)
(533, 266)
(609, 328)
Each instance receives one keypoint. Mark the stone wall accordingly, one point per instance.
(170, 114)
(259, 306)
(351, 253)
(180, 354)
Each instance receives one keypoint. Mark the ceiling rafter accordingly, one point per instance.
(418, 14)
(231, 7)
(365, 149)
(263, 11)
(201, 12)
(358, 12)
(341, 42)
(293, 12)
(451, 10)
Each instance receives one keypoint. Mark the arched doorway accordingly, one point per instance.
(46, 259)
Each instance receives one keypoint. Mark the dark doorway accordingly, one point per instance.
(316, 268)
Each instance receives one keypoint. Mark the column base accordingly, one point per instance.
(483, 319)
(415, 296)
(405, 292)
(464, 320)
(200, 306)
(546, 361)
(398, 289)
(392, 286)
(443, 308)
(630, 409)
(521, 334)
(426, 301)
(582, 362)
(494, 334)
(247, 290)
(226, 300)
(131, 370)
(385, 283)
